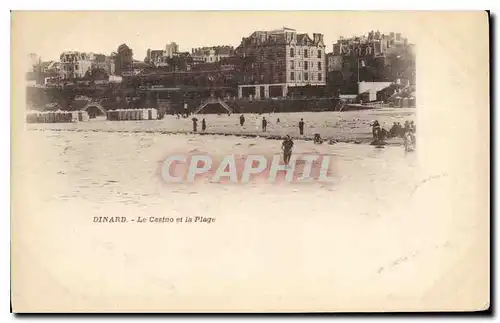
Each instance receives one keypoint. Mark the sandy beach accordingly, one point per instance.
(355, 236)
(342, 126)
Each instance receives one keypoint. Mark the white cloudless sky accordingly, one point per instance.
(51, 33)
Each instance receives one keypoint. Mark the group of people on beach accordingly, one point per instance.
(195, 124)
(406, 132)
(264, 124)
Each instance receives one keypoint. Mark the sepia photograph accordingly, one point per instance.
(250, 161)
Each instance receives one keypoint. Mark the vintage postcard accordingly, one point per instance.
(232, 161)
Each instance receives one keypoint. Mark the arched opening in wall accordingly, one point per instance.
(94, 110)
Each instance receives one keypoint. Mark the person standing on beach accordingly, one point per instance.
(407, 126)
(264, 124)
(195, 124)
(287, 146)
(203, 125)
(375, 129)
(242, 120)
(413, 128)
(301, 127)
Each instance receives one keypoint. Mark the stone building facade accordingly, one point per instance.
(280, 59)
(75, 64)
(211, 54)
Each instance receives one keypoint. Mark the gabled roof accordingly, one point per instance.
(45, 65)
(303, 39)
(263, 38)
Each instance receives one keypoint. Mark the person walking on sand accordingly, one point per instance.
(203, 125)
(287, 146)
(264, 124)
(242, 120)
(301, 127)
(195, 124)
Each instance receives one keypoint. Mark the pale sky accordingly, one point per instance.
(48, 34)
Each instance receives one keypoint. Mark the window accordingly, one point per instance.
(319, 77)
(319, 53)
(292, 65)
(319, 65)
(305, 53)
(306, 65)
(298, 76)
(292, 76)
(306, 76)
(292, 53)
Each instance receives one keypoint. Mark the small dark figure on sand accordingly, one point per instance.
(242, 120)
(317, 138)
(264, 124)
(203, 125)
(301, 127)
(195, 124)
(287, 146)
(375, 129)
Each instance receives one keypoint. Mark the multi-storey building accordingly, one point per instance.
(160, 57)
(171, 49)
(155, 56)
(371, 58)
(280, 59)
(75, 64)
(373, 44)
(104, 63)
(211, 54)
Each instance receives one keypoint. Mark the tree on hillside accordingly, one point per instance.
(96, 73)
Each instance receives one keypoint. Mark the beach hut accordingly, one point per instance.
(112, 115)
(132, 114)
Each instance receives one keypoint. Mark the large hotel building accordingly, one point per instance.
(280, 59)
